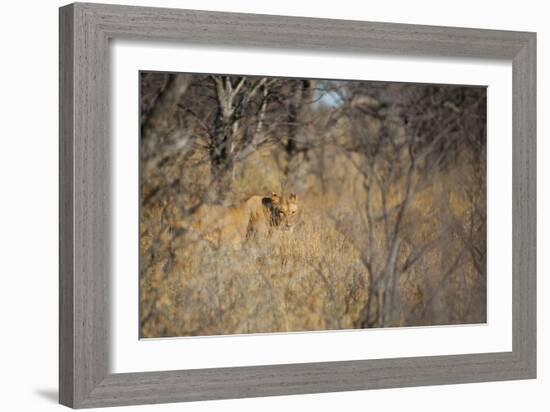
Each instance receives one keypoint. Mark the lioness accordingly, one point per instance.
(255, 218)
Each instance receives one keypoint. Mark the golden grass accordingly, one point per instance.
(312, 278)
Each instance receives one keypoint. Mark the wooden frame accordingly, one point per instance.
(85, 31)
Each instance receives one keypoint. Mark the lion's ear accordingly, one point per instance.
(293, 197)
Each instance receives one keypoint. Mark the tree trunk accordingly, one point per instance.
(389, 287)
(298, 115)
(221, 154)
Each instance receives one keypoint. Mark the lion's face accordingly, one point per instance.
(287, 210)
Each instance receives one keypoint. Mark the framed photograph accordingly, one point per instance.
(256, 205)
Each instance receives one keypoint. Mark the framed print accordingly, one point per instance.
(259, 205)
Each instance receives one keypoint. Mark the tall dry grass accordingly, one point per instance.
(312, 278)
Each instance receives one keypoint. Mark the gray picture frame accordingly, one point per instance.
(85, 32)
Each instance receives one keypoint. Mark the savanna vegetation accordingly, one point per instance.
(389, 180)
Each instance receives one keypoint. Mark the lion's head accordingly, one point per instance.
(283, 210)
